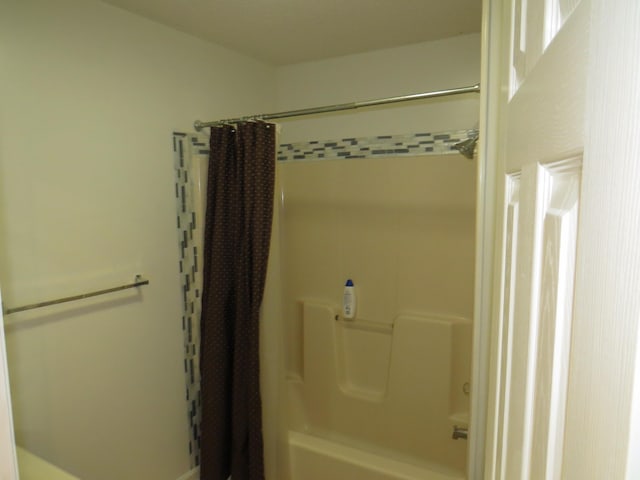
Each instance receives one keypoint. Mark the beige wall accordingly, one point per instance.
(90, 95)
(452, 62)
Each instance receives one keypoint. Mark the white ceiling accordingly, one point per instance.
(282, 32)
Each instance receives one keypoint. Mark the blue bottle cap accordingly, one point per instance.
(349, 283)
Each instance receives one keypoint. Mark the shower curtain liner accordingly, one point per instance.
(236, 249)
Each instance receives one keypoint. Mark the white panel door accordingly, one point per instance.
(541, 177)
(566, 285)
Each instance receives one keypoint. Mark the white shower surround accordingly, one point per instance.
(190, 154)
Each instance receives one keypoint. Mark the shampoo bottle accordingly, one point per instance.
(349, 301)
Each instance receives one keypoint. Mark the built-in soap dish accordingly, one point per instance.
(459, 418)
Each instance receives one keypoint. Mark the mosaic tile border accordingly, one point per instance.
(412, 144)
(187, 148)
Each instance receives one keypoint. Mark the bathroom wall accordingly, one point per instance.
(422, 67)
(405, 225)
(90, 95)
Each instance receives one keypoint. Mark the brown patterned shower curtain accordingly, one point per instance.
(236, 248)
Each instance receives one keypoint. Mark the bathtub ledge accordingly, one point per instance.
(335, 458)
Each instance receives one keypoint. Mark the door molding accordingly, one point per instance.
(8, 462)
(487, 191)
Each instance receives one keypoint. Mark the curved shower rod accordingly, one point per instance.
(198, 125)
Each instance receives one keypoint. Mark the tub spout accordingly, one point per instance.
(460, 432)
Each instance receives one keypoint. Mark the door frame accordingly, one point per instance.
(8, 461)
(487, 194)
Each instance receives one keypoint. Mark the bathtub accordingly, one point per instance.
(193, 474)
(315, 458)
(32, 467)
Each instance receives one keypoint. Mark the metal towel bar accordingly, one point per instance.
(137, 282)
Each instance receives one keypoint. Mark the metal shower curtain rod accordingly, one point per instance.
(198, 125)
